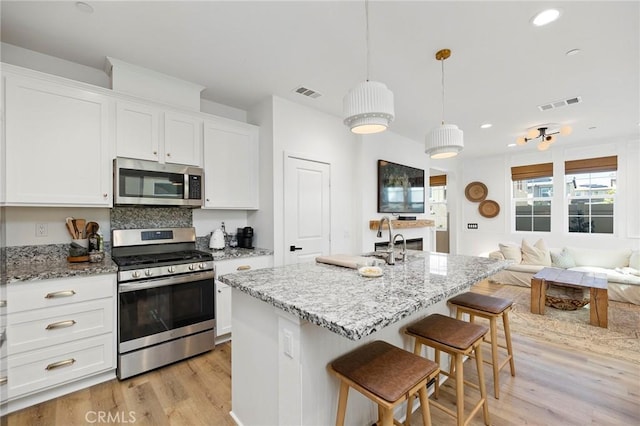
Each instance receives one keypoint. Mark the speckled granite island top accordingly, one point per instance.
(352, 306)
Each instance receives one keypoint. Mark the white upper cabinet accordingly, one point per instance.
(57, 144)
(148, 132)
(230, 165)
(182, 139)
(137, 131)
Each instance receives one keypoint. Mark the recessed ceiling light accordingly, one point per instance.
(573, 52)
(84, 7)
(545, 17)
(511, 145)
(486, 125)
(592, 128)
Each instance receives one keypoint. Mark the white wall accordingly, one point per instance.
(397, 149)
(262, 219)
(21, 224)
(51, 65)
(317, 136)
(495, 173)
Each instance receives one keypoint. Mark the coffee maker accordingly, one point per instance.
(245, 237)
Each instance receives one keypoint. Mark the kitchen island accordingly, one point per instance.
(289, 322)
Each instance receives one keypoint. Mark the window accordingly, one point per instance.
(438, 201)
(531, 195)
(591, 188)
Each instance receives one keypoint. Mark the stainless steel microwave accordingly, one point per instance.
(148, 183)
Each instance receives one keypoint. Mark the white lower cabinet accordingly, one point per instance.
(223, 291)
(59, 331)
(223, 309)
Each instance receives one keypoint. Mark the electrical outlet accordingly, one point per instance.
(42, 229)
(472, 226)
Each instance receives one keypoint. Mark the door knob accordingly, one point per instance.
(294, 248)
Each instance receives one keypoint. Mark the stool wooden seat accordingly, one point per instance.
(489, 307)
(458, 339)
(387, 375)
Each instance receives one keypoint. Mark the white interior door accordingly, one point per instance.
(307, 210)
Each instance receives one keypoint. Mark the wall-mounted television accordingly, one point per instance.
(400, 188)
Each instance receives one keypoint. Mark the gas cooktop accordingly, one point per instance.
(157, 259)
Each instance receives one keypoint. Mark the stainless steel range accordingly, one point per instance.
(166, 298)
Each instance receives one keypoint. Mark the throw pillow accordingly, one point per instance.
(538, 254)
(562, 259)
(511, 251)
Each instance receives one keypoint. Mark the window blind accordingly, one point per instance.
(532, 171)
(600, 164)
(440, 180)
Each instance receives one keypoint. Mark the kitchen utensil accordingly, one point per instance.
(217, 240)
(71, 227)
(91, 228)
(80, 225)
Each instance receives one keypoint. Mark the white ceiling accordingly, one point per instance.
(500, 70)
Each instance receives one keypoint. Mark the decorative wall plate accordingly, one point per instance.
(476, 191)
(489, 208)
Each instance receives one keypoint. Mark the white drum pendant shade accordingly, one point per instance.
(444, 141)
(368, 108)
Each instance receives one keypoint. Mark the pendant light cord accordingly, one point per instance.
(366, 14)
(442, 63)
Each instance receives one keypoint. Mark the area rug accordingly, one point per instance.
(571, 328)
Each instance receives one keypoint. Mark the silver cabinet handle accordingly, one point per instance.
(60, 324)
(3, 303)
(3, 380)
(64, 293)
(59, 364)
(243, 268)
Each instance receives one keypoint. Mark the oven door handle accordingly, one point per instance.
(160, 282)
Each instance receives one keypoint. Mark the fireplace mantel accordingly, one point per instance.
(403, 224)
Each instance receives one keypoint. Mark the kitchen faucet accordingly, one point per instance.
(391, 259)
(404, 246)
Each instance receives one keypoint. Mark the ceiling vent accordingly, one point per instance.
(558, 104)
(304, 91)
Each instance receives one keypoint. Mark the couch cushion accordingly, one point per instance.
(511, 251)
(610, 259)
(533, 269)
(611, 275)
(538, 254)
(562, 259)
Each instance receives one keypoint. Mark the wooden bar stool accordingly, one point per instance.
(458, 339)
(491, 308)
(387, 375)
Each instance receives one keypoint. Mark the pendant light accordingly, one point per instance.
(446, 140)
(368, 107)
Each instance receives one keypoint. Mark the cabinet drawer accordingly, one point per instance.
(51, 326)
(37, 370)
(242, 264)
(48, 293)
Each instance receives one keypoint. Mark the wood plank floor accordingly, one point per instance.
(554, 385)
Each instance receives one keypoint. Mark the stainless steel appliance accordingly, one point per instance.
(165, 298)
(140, 182)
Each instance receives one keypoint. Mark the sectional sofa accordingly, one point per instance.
(621, 266)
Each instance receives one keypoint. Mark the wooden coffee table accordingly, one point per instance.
(599, 302)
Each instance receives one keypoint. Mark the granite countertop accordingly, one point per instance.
(51, 269)
(237, 253)
(353, 306)
(51, 263)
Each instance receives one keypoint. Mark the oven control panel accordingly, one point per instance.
(163, 271)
